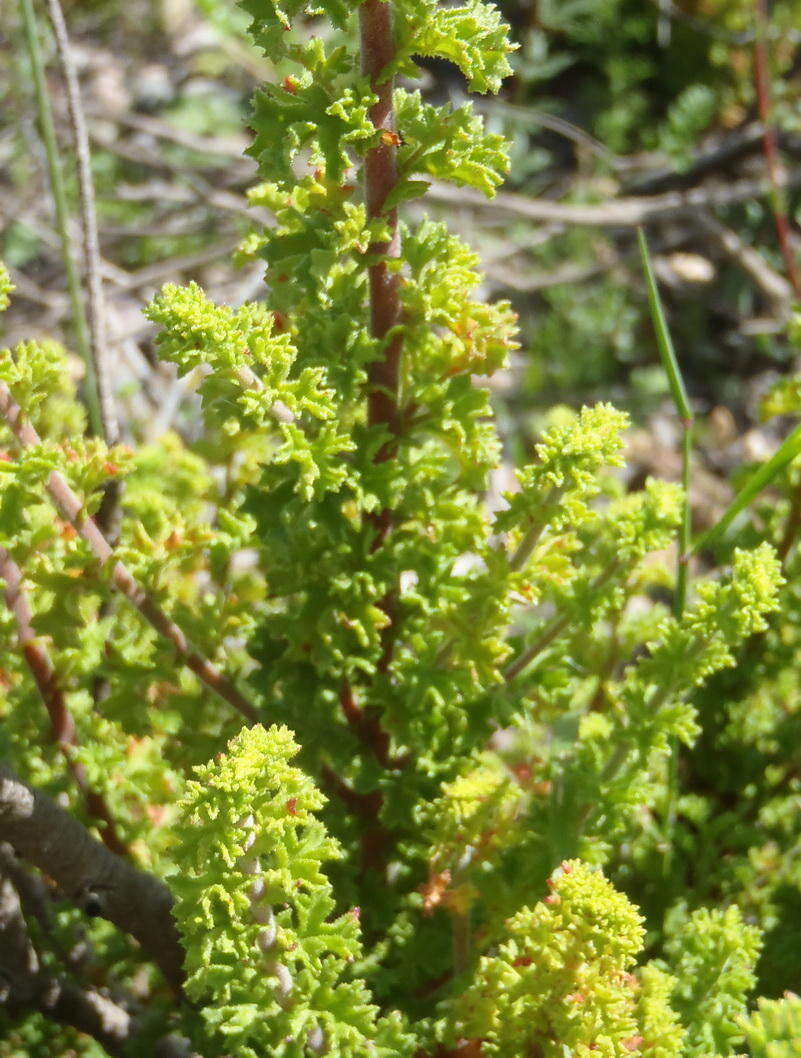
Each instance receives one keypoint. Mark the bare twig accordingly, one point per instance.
(238, 170)
(525, 115)
(34, 894)
(152, 274)
(71, 509)
(774, 286)
(27, 986)
(710, 29)
(513, 278)
(715, 154)
(229, 149)
(623, 212)
(91, 246)
(18, 962)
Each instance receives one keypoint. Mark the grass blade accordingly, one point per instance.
(679, 393)
(682, 403)
(62, 213)
(664, 341)
(759, 480)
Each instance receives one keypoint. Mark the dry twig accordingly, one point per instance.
(91, 245)
(103, 884)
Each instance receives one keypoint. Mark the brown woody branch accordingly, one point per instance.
(62, 725)
(103, 884)
(71, 509)
(773, 285)
(25, 986)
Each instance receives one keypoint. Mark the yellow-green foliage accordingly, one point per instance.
(562, 977)
(6, 287)
(265, 950)
(774, 1029)
(459, 698)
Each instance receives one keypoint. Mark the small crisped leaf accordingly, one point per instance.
(560, 979)
(773, 1030)
(6, 287)
(448, 144)
(473, 36)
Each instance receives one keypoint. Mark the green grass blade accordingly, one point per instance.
(682, 403)
(61, 205)
(759, 480)
(679, 393)
(666, 351)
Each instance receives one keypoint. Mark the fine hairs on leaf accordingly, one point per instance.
(391, 772)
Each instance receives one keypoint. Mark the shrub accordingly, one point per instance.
(486, 705)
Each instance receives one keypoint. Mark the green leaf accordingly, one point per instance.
(664, 341)
(473, 36)
(448, 144)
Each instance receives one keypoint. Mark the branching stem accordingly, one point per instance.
(71, 509)
(553, 629)
(28, 985)
(48, 837)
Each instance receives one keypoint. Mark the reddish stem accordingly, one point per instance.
(365, 805)
(380, 178)
(376, 840)
(771, 146)
(368, 730)
(62, 724)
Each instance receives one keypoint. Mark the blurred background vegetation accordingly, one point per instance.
(620, 111)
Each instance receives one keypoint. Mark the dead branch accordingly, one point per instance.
(101, 883)
(623, 212)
